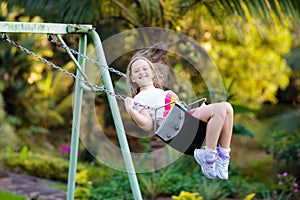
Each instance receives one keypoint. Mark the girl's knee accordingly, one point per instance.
(229, 108)
(219, 110)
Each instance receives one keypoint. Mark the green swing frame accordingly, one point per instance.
(84, 31)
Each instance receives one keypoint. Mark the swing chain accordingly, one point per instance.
(79, 78)
(51, 39)
(76, 77)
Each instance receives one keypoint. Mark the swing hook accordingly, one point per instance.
(50, 37)
(5, 37)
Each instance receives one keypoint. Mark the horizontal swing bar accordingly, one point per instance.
(55, 28)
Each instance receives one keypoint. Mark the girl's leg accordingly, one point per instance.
(224, 141)
(215, 116)
(219, 119)
(226, 132)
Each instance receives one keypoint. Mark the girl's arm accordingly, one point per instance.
(142, 118)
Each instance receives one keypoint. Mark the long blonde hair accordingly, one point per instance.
(134, 88)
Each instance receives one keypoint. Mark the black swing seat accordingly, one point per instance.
(181, 130)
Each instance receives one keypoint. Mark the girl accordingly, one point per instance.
(145, 89)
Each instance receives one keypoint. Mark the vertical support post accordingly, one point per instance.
(117, 118)
(77, 101)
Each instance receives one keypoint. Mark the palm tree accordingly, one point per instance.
(142, 13)
(112, 16)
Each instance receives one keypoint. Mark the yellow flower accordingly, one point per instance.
(249, 196)
(187, 196)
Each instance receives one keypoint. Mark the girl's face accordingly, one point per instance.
(141, 73)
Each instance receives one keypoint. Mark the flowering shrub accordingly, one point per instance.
(39, 165)
(286, 188)
(250, 196)
(83, 185)
(65, 150)
(284, 146)
(187, 196)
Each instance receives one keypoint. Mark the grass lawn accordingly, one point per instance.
(9, 196)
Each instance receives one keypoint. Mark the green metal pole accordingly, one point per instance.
(76, 121)
(78, 66)
(117, 118)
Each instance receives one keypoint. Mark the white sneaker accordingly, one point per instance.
(207, 160)
(222, 166)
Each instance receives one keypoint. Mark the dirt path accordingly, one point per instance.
(31, 187)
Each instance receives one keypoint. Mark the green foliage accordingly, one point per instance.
(57, 186)
(184, 175)
(23, 153)
(7, 130)
(293, 58)
(167, 182)
(43, 101)
(250, 58)
(7, 195)
(83, 185)
(39, 98)
(137, 13)
(211, 190)
(242, 130)
(36, 95)
(239, 110)
(38, 165)
(285, 136)
(287, 121)
(284, 146)
(67, 11)
(237, 187)
(285, 187)
(116, 186)
(99, 182)
(179, 176)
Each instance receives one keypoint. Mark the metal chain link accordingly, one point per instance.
(51, 39)
(86, 82)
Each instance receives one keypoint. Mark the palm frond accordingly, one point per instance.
(288, 121)
(242, 130)
(128, 13)
(293, 58)
(58, 11)
(87, 11)
(259, 9)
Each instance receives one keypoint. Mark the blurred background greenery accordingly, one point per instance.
(255, 45)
